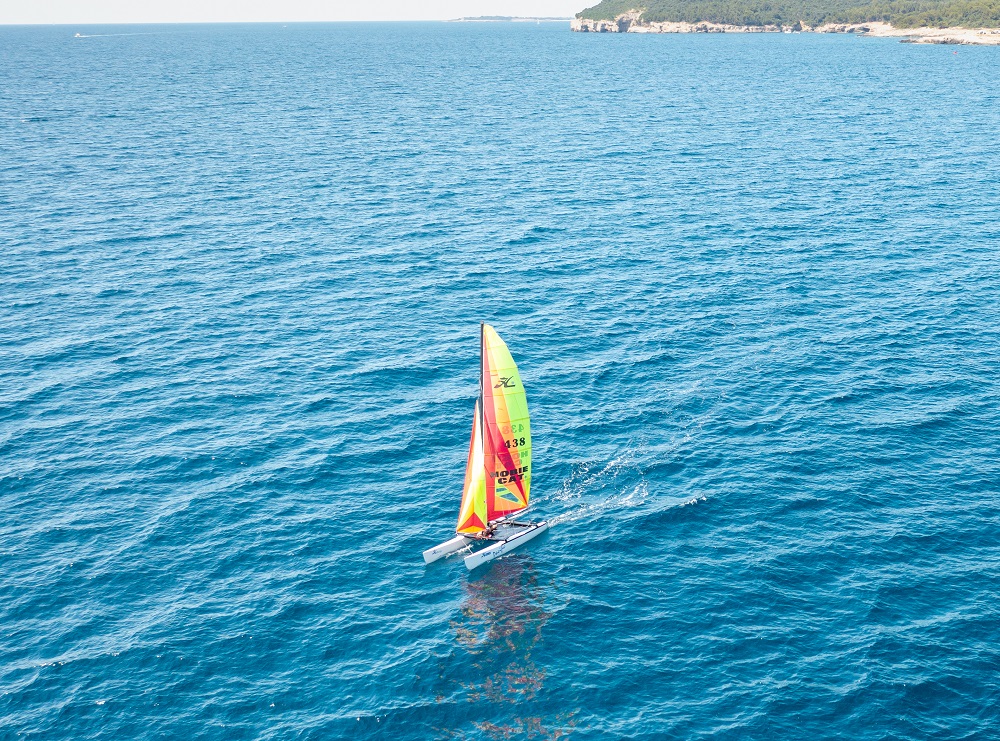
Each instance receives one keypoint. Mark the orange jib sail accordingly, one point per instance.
(472, 514)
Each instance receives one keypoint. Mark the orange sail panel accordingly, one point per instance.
(472, 514)
(506, 430)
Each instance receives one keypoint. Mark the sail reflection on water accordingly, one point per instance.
(500, 626)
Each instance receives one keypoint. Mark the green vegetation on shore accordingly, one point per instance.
(900, 13)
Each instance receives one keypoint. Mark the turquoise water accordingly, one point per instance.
(752, 286)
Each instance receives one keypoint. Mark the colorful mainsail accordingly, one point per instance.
(498, 471)
(506, 430)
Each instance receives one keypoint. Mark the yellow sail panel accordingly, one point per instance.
(506, 430)
(472, 514)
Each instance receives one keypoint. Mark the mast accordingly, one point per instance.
(482, 416)
(481, 470)
(482, 365)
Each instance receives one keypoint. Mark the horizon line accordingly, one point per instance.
(468, 19)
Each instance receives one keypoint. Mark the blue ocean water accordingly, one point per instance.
(752, 283)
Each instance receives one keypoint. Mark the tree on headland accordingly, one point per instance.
(900, 13)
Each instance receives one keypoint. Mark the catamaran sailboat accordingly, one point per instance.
(498, 471)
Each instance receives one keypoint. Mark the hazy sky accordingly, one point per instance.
(179, 11)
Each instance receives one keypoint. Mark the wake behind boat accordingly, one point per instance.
(498, 470)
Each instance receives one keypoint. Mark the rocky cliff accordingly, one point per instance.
(632, 22)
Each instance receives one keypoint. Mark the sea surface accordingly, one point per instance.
(753, 286)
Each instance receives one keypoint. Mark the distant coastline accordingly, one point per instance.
(632, 22)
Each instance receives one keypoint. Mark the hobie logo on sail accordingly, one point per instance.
(504, 383)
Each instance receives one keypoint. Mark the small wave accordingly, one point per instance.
(534, 235)
(693, 500)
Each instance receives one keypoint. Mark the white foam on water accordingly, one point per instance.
(594, 488)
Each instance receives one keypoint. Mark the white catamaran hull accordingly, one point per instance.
(526, 531)
(449, 546)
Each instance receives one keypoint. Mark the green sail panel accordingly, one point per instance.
(506, 430)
